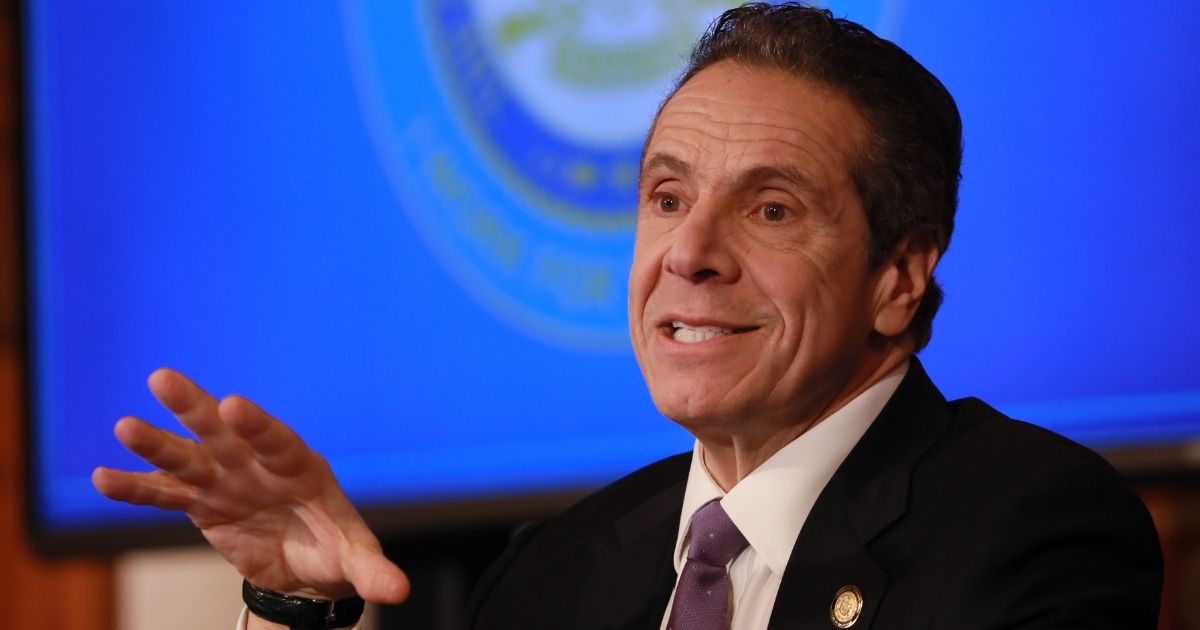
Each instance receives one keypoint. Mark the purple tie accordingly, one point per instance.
(702, 596)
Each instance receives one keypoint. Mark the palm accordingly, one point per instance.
(261, 497)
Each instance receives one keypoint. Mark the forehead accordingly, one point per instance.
(730, 117)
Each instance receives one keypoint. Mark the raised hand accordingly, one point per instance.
(268, 503)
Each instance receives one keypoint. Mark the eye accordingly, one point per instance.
(774, 212)
(668, 203)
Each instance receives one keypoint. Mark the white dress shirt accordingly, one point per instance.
(770, 505)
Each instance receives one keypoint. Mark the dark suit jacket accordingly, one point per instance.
(945, 516)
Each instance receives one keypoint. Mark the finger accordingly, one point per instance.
(157, 488)
(375, 578)
(197, 410)
(279, 449)
(181, 457)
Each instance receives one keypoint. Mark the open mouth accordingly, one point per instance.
(684, 333)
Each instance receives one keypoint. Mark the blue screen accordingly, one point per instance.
(405, 228)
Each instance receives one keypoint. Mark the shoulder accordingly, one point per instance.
(1032, 525)
(987, 468)
(980, 431)
(985, 521)
(657, 487)
(540, 579)
(986, 451)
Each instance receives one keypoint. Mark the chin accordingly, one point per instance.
(694, 406)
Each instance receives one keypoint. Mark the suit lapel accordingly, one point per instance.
(631, 588)
(868, 493)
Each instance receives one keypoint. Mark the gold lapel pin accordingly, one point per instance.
(847, 605)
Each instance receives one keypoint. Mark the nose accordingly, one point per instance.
(702, 248)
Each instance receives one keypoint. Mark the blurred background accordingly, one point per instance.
(404, 228)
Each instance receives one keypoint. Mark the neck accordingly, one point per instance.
(729, 458)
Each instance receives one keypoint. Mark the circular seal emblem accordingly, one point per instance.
(511, 132)
(847, 606)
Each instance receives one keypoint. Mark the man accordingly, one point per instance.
(797, 190)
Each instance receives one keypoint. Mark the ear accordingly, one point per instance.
(901, 282)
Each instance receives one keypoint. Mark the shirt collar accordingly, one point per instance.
(770, 505)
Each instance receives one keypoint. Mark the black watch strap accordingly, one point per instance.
(299, 613)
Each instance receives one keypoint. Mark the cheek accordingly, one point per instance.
(643, 276)
(814, 295)
(644, 270)
(834, 307)
(793, 283)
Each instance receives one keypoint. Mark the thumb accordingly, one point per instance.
(375, 578)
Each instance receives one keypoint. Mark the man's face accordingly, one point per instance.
(750, 297)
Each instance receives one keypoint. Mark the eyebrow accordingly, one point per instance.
(787, 172)
(655, 161)
(755, 175)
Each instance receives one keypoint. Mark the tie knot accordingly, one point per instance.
(715, 539)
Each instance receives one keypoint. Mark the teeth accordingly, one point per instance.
(695, 334)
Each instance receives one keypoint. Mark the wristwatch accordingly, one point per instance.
(299, 613)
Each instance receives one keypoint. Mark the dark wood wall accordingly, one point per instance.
(34, 593)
